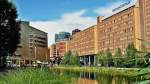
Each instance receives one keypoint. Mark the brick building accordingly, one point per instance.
(85, 44)
(120, 29)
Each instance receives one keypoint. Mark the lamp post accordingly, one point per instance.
(35, 50)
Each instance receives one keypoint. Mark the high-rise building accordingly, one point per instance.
(33, 44)
(62, 36)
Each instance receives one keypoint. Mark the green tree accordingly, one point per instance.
(74, 59)
(130, 55)
(71, 58)
(9, 30)
(66, 59)
(109, 58)
(118, 58)
(100, 58)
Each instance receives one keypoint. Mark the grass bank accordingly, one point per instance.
(127, 72)
(33, 76)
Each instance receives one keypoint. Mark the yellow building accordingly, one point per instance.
(85, 44)
(130, 25)
(120, 29)
(145, 20)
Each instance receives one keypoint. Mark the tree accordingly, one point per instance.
(118, 58)
(100, 58)
(66, 59)
(9, 30)
(131, 51)
(109, 58)
(70, 58)
(131, 54)
(74, 59)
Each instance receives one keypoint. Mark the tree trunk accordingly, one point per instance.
(4, 62)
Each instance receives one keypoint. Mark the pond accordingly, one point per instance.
(94, 78)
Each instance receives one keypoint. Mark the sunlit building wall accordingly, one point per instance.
(120, 29)
(85, 44)
(33, 44)
(145, 16)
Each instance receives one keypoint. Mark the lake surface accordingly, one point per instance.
(93, 78)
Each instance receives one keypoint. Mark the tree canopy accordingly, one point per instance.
(9, 29)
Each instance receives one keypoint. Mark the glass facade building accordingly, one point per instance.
(62, 36)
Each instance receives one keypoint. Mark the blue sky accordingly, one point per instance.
(52, 9)
(53, 16)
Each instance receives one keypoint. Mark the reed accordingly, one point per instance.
(33, 76)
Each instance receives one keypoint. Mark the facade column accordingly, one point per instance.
(94, 60)
(89, 60)
(84, 59)
(80, 58)
(24, 61)
(89, 75)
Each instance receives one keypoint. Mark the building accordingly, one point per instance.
(120, 29)
(33, 44)
(75, 31)
(62, 36)
(58, 49)
(62, 48)
(85, 44)
(145, 21)
(53, 51)
(116, 31)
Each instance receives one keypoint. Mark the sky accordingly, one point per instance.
(54, 16)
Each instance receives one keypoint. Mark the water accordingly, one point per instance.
(93, 78)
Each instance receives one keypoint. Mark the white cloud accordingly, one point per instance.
(67, 22)
(107, 10)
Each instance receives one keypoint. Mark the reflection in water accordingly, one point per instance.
(87, 78)
(92, 78)
(86, 81)
(87, 75)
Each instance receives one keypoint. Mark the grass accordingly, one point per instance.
(33, 76)
(127, 72)
(56, 75)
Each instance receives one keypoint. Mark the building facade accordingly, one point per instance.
(85, 44)
(53, 51)
(58, 49)
(62, 48)
(120, 29)
(145, 21)
(62, 36)
(33, 44)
